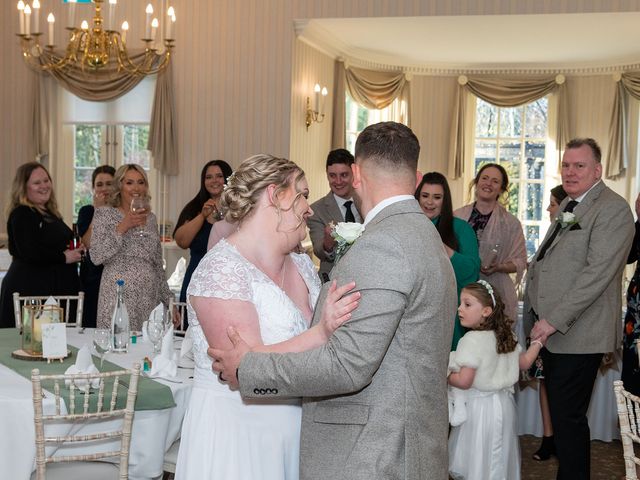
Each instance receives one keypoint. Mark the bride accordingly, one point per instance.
(253, 282)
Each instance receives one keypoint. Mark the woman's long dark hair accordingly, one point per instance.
(194, 207)
(445, 222)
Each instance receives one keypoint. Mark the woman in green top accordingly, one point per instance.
(458, 237)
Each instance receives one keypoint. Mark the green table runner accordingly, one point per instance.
(152, 395)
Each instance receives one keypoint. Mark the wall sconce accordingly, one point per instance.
(316, 114)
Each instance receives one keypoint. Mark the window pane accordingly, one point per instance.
(512, 205)
(533, 203)
(88, 141)
(531, 239)
(534, 155)
(486, 119)
(536, 118)
(135, 139)
(510, 159)
(82, 194)
(511, 122)
(485, 153)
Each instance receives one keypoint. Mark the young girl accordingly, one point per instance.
(486, 365)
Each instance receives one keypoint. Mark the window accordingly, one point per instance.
(516, 139)
(359, 117)
(96, 145)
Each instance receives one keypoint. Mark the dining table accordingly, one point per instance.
(160, 407)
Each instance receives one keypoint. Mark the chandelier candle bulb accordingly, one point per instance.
(170, 19)
(316, 89)
(36, 16)
(149, 12)
(84, 25)
(21, 16)
(72, 13)
(324, 93)
(52, 20)
(154, 29)
(125, 29)
(27, 20)
(112, 13)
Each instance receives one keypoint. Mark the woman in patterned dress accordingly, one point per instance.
(128, 245)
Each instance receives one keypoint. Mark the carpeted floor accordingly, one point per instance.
(606, 461)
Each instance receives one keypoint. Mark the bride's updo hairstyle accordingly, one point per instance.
(252, 177)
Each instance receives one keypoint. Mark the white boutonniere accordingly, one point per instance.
(345, 233)
(567, 219)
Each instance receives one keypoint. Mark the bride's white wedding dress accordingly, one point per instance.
(223, 436)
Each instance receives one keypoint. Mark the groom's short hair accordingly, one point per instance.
(390, 145)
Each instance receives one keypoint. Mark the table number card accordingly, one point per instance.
(54, 340)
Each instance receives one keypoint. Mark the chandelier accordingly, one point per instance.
(92, 48)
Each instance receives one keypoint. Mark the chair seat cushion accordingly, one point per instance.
(72, 470)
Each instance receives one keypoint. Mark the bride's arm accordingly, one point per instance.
(217, 315)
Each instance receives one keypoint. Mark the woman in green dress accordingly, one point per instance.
(458, 237)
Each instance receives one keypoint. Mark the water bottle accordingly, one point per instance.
(120, 321)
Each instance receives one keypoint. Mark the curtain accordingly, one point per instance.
(617, 159)
(338, 134)
(162, 131)
(40, 118)
(504, 92)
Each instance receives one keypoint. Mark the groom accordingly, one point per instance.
(375, 396)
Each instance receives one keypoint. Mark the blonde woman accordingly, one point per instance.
(253, 282)
(117, 244)
(42, 263)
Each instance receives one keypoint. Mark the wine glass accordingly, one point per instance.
(102, 342)
(138, 204)
(155, 330)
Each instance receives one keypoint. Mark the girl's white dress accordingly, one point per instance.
(224, 436)
(485, 446)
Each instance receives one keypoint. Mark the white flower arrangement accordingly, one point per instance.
(567, 219)
(345, 233)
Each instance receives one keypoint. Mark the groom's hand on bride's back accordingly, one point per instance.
(226, 362)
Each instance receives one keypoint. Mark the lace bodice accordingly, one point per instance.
(224, 273)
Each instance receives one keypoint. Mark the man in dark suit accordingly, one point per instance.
(336, 206)
(574, 296)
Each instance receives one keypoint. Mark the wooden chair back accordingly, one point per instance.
(181, 308)
(87, 413)
(629, 418)
(64, 301)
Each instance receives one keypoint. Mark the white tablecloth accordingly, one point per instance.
(602, 413)
(153, 431)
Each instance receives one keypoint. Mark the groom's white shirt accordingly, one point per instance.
(385, 203)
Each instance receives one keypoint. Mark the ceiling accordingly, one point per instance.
(549, 41)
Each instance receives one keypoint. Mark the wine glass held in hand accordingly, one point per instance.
(102, 342)
(140, 206)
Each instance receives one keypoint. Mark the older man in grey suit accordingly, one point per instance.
(336, 206)
(574, 296)
(375, 396)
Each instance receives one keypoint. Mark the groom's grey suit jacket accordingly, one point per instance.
(375, 396)
(577, 285)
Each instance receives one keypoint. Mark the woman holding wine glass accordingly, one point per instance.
(117, 244)
(198, 216)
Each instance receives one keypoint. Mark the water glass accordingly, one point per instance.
(155, 330)
(102, 342)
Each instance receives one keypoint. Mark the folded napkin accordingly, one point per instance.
(186, 351)
(175, 280)
(84, 364)
(51, 301)
(165, 363)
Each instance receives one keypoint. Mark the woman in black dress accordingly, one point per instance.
(630, 367)
(197, 217)
(90, 274)
(42, 263)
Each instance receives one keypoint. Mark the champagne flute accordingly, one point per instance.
(102, 342)
(138, 204)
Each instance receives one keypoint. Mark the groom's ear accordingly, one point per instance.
(357, 178)
(418, 178)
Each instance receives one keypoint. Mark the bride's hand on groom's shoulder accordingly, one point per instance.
(338, 306)
(226, 362)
